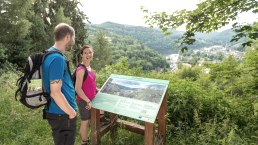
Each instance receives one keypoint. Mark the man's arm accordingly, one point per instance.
(59, 98)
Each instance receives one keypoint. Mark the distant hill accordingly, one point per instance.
(155, 39)
(138, 54)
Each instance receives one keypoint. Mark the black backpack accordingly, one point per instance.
(84, 76)
(30, 85)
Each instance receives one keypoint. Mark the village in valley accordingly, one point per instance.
(212, 54)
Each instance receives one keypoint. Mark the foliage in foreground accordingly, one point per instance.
(220, 107)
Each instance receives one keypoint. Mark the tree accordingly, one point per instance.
(250, 69)
(14, 30)
(51, 12)
(102, 51)
(210, 15)
(27, 26)
(226, 76)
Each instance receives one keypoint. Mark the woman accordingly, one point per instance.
(85, 90)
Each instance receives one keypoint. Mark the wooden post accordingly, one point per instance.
(162, 119)
(113, 130)
(95, 126)
(149, 133)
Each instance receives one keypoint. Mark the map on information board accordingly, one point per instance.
(135, 97)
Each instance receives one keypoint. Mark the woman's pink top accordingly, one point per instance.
(89, 85)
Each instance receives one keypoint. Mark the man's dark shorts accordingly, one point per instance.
(84, 113)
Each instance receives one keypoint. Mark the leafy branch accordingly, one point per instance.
(210, 15)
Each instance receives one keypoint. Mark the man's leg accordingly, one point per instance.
(63, 129)
(55, 126)
(70, 132)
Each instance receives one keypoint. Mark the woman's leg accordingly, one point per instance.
(85, 117)
(84, 130)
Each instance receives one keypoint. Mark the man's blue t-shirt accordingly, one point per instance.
(55, 67)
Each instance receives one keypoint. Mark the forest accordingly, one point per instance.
(219, 106)
(166, 44)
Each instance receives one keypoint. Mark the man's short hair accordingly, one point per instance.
(61, 30)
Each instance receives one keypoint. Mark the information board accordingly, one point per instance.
(134, 97)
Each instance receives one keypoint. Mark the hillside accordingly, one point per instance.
(155, 39)
(138, 54)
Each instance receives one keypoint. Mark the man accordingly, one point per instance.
(61, 112)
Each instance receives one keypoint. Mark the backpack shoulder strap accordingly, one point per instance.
(47, 52)
(86, 71)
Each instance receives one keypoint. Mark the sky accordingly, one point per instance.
(129, 12)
